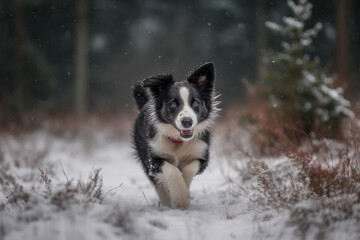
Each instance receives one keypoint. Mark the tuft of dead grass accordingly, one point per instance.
(93, 188)
(13, 191)
(87, 192)
(47, 183)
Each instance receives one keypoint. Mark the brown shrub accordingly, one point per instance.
(271, 133)
(277, 192)
(327, 176)
(328, 169)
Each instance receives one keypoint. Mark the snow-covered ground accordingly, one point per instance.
(130, 211)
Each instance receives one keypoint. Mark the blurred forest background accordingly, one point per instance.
(82, 57)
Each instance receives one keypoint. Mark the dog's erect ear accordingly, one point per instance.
(203, 78)
(158, 83)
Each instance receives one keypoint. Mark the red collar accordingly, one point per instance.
(175, 140)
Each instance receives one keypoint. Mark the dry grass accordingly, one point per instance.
(327, 169)
(269, 134)
(277, 192)
(334, 169)
(65, 196)
(316, 179)
(31, 192)
(90, 191)
(24, 155)
(13, 191)
(329, 177)
(93, 188)
(318, 182)
(47, 183)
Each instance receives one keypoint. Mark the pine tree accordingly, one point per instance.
(295, 84)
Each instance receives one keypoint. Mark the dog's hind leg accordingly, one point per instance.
(172, 179)
(163, 194)
(190, 170)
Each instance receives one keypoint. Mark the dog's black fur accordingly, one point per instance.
(165, 118)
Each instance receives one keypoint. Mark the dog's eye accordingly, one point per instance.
(173, 104)
(195, 104)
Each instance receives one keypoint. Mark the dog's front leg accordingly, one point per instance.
(172, 179)
(163, 194)
(190, 170)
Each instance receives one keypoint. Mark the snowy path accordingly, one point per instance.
(125, 213)
(215, 212)
(209, 216)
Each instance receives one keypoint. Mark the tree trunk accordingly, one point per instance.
(19, 55)
(81, 57)
(342, 44)
(260, 36)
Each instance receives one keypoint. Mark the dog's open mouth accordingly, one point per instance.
(186, 133)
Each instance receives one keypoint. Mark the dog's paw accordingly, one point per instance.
(180, 199)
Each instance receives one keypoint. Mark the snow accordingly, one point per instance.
(302, 10)
(297, 9)
(99, 42)
(275, 27)
(294, 27)
(306, 42)
(319, 86)
(308, 78)
(210, 215)
(293, 23)
(131, 211)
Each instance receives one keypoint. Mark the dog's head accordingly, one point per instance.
(187, 108)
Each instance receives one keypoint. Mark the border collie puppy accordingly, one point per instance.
(171, 134)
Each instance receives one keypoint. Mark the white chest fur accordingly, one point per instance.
(178, 154)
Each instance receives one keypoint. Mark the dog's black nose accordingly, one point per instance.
(186, 122)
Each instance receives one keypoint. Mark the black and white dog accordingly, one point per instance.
(171, 134)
